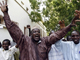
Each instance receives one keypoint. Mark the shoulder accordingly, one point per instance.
(45, 38)
(12, 48)
(1, 50)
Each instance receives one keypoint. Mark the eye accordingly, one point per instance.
(38, 31)
(73, 36)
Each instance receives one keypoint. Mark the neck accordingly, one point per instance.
(6, 49)
(35, 41)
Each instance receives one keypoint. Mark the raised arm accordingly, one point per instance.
(61, 33)
(13, 29)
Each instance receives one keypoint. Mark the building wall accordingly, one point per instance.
(19, 15)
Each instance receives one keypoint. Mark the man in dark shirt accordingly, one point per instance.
(33, 47)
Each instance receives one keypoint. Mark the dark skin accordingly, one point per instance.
(35, 35)
(75, 37)
(5, 45)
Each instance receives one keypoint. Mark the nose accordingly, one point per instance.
(76, 37)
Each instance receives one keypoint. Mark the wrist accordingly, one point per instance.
(71, 25)
(5, 13)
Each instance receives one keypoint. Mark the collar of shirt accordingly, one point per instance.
(39, 42)
(6, 50)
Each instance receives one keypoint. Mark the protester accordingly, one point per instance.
(75, 47)
(33, 47)
(70, 49)
(5, 52)
(54, 53)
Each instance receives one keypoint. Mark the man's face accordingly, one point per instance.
(75, 37)
(69, 38)
(5, 45)
(36, 34)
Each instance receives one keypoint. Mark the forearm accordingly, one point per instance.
(13, 29)
(7, 20)
(59, 34)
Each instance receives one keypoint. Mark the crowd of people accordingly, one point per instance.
(34, 47)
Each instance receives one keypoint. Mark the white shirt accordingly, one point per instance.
(76, 51)
(8, 54)
(55, 54)
(70, 50)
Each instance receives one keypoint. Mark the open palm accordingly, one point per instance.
(4, 6)
(77, 16)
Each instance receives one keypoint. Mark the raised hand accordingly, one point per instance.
(77, 16)
(3, 6)
(62, 24)
(77, 13)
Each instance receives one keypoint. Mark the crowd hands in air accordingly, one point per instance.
(73, 40)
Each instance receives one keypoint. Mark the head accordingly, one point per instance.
(75, 36)
(35, 34)
(51, 32)
(69, 38)
(6, 44)
(63, 39)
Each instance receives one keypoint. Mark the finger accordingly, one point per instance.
(77, 20)
(75, 14)
(5, 5)
(73, 24)
(76, 25)
(5, 2)
(76, 11)
(0, 3)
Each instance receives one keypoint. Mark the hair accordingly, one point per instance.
(68, 37)
(7, 41)
(34, 29)
(75, 31)
(52, 31)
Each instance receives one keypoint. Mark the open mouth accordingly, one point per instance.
(75, 40)
(37, 36)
